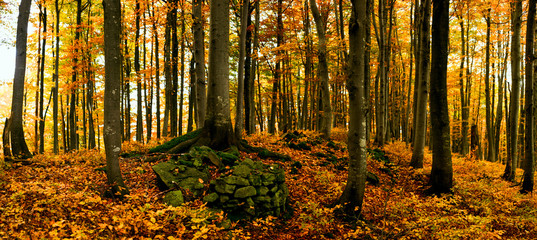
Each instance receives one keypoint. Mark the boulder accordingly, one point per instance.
(174, 198)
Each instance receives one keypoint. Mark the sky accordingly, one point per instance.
(7, 63)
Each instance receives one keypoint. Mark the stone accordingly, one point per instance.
(250, 202)
(174, 198)
(228, 159)
(224, 198)
(245, 192)
(248, 162)
(255, 180)
(241, 170)
(222, 187)
(268, 177)
(274, 189)
(165, 177)
(235, 180)
(262, 199)
(263, 190)
(211, 197)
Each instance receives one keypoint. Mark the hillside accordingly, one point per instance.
(60, 197)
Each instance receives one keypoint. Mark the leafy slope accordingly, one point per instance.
(59, 197)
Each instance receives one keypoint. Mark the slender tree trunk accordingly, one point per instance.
(56, 79)
(182, 91)
(139, 114)
(491, 154)
(240, 78)
(73, 136)
(199, 53)
(529, 135)
(326, 109)
(42, 85)
(514, 104)
(423, 86)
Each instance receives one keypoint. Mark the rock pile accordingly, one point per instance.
(249, 189)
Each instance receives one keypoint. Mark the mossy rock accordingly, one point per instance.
(264, 154)
(228, 159)
(372, 178)
(174, 198)
(245, 192)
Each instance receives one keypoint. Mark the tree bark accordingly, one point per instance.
(442, 170)
(199, 52)
(514, 104)
(423, 86)
(239, 113)
(325, 112)
(529, 143)
(353, 194)
(19, 148)
(112, 54)
(491, 152)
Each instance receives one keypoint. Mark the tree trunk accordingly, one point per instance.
(112, 138)
(325, 112)
(182, 91)
(199, 53)
(491, 154)
(353, 194)
(423, 85)
(19, 148)
(527, 184)
(139, 114)
(73, 136)
(240, 76)
(514, 104)
(442, 171)
(56, 79)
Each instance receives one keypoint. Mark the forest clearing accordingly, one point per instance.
(61, 197)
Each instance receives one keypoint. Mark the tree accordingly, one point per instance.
(422, 79)
(352, 197)
(527, 184)
(326, 110)
(442, 170)
(491, 153)
(245, 12)
(19, 148)
(199, 56)
(514, 108)
(112, 68)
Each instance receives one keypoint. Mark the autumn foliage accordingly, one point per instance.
(60, 197)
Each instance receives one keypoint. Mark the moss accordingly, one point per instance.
(172, 143)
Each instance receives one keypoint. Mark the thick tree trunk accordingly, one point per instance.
(112, 138)
(19, 148)
(442, 170)
(353, 194)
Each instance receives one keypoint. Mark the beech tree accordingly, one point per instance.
(514, 108)
(352, 196)
(422, 80)
(442, 170)
(112, 83)
(529, 143)
(14, 132)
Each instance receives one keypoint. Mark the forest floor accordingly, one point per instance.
(60, 197)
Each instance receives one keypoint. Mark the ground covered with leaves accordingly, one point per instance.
(61, 197)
